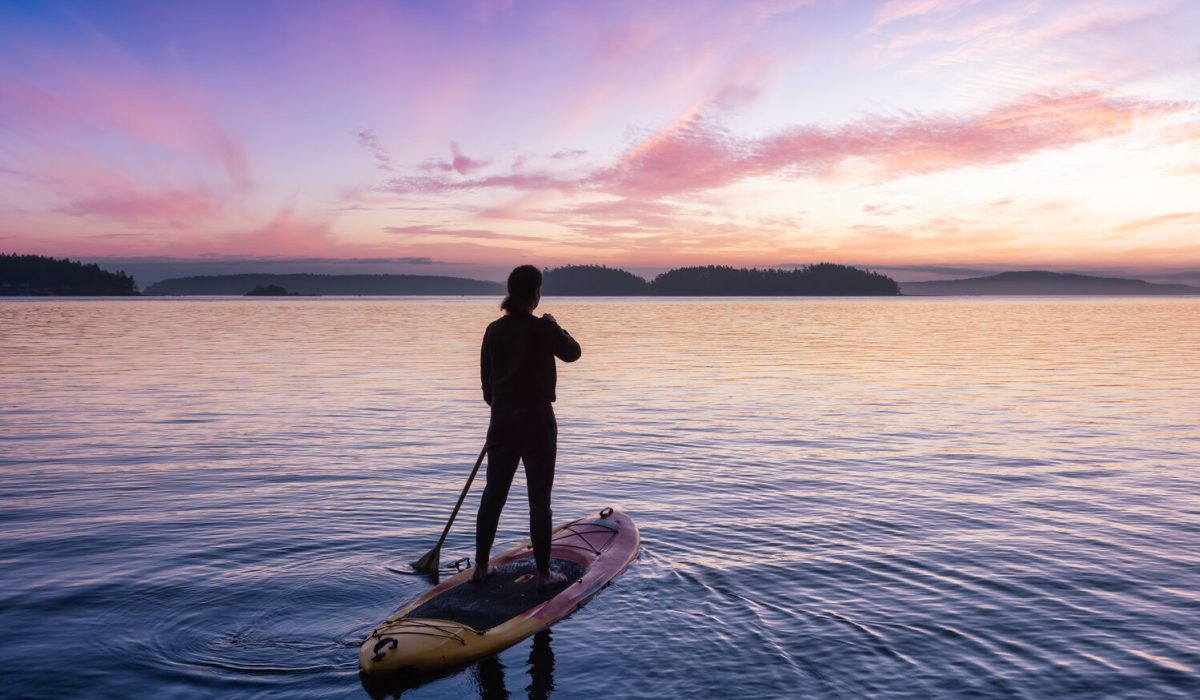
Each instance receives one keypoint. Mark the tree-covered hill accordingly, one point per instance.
(822, 279)
(37, 275)
(270, 290)
(1043, 282)
(591, 280)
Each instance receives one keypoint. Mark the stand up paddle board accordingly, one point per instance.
(457, 621)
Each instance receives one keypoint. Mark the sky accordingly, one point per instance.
(932, 138)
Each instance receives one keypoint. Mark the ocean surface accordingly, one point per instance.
(838, 498)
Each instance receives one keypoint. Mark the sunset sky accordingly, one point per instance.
(463, 138)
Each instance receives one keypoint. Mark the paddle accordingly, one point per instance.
(433, 557)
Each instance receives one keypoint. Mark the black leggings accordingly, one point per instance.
(528, 433)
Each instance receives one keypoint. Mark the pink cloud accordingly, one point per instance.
(442, 232)
(72, 116)
(896, 10)
(695, 154)
(880, 209)
(369, 141)
(133, 206)
(630, 209)
(1163, 220)
(458, 163)
(650, 221)
(97, 103)
(917, 144)
(1182, 133)
(519, 208)
(702, 156)
(469, 251)
(1031, 44)
(233, 158)
(288, 235)
(515, 181)
(998, 32)
(86, 187)
(521, 159)
(464, 165)
(655, 53)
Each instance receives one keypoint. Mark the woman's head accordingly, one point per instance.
(524, 289)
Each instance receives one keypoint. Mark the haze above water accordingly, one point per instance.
(837, 497)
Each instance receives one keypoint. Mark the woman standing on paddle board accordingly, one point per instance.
(519, 376)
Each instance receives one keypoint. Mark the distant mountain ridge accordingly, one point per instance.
(1040, 282)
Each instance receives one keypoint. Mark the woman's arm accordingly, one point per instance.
(485, 369)
(565, 347)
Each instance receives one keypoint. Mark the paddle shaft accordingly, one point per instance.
(462, 497)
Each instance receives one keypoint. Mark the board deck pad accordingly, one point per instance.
(510, 591)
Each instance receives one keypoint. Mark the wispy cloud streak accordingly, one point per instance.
(369, 141)
(697, 154)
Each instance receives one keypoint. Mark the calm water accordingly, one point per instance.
(838, 498)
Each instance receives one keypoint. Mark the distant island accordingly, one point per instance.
(38, 276)
(270, 290)
(1036, 282)
(310, 284)
(823, 279)
(592, 280)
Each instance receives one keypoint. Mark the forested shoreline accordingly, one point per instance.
(38, 275)
(822, 279)
(35, 275)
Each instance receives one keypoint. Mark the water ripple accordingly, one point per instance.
(838, 498)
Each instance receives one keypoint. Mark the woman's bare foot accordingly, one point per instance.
(550, 579)
(482, 572)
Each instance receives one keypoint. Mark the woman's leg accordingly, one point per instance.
(503, 455)
(539, 457)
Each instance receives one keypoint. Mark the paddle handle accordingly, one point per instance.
(462, 497)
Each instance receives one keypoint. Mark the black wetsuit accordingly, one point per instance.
(518, 374)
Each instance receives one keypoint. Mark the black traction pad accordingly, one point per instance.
(508, 592)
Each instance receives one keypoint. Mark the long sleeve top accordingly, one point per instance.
(516, 361)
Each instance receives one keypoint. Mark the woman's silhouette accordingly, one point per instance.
(519, 376)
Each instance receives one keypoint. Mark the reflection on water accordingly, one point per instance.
(490, 677)
(490, 672)
(837, 497)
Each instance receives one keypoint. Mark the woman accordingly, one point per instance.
(519, 375)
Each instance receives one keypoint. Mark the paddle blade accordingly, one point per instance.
(430, 561)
